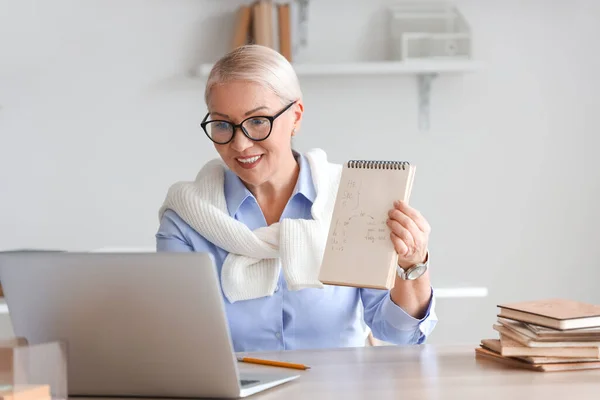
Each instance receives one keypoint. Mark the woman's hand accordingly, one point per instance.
(410, 234)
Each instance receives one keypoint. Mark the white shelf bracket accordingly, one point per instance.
(424, 83)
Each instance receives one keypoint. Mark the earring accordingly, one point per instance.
(293, 131)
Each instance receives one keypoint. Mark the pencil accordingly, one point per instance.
(272, 363)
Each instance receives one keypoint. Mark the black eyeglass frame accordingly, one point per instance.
(271, 119)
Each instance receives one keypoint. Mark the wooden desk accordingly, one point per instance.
(420, 372)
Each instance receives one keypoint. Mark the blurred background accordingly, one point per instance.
(101, 103)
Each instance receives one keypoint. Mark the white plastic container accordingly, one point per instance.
(428, 30)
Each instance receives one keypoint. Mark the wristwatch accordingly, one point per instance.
(413, 272)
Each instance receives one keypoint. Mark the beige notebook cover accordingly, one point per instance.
(359, 251)
(561, 314)
(485, 353)
(549, 332)
(592, 349)
(541, 334)
(507, 348)
(512, 347)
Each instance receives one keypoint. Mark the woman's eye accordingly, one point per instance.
(257, 121)
(224, 126)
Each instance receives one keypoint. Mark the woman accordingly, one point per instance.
(260, 199)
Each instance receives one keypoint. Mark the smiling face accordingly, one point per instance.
(256, 163)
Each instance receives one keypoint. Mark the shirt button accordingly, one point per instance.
(277, 335)
(277, 288)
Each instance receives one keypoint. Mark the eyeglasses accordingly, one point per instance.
(255, 128)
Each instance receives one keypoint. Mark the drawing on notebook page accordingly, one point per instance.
(371, 227)
(376, 231)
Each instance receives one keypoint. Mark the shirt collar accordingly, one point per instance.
(304, 185)
(236, 192)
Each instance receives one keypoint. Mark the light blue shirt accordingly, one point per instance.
(308, 318)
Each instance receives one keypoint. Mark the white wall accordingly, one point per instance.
(98, 116)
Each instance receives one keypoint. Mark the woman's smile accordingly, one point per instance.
(249, 162)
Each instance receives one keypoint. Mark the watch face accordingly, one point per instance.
(417, 271)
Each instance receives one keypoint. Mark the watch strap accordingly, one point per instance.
(405, 273)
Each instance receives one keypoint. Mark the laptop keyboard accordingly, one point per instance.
(246, 382)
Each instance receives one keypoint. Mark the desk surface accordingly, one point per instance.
(421, 372)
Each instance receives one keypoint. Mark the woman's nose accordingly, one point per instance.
(240, 142)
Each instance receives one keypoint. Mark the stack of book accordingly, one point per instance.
(545, 335)
(266, 23)
(279, 25)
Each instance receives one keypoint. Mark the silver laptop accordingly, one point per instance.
(144, 325)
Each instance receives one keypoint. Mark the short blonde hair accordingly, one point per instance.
(257, 64)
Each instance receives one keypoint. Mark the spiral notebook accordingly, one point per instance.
(359, 251)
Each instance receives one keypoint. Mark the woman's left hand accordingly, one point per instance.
(410, 234)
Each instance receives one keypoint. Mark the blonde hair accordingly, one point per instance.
(257, 64)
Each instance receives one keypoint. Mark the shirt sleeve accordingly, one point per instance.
(170, 235)
(390, 323)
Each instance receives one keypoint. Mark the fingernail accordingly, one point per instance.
(396, 203)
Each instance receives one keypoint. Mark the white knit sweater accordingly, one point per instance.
(251, 269)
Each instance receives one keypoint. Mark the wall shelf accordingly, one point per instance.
(376, 68)
(424, 70)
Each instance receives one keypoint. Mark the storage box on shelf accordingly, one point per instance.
(429, 30)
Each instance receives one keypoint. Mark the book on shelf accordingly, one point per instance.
(243, 26)
(545, 335)
(268, 23)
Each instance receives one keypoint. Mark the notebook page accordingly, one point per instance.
(359, 251)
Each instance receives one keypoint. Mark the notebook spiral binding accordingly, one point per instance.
(366, 164)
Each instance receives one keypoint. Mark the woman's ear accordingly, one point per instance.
(298, 110)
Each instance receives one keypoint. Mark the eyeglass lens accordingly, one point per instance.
(257, 128)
